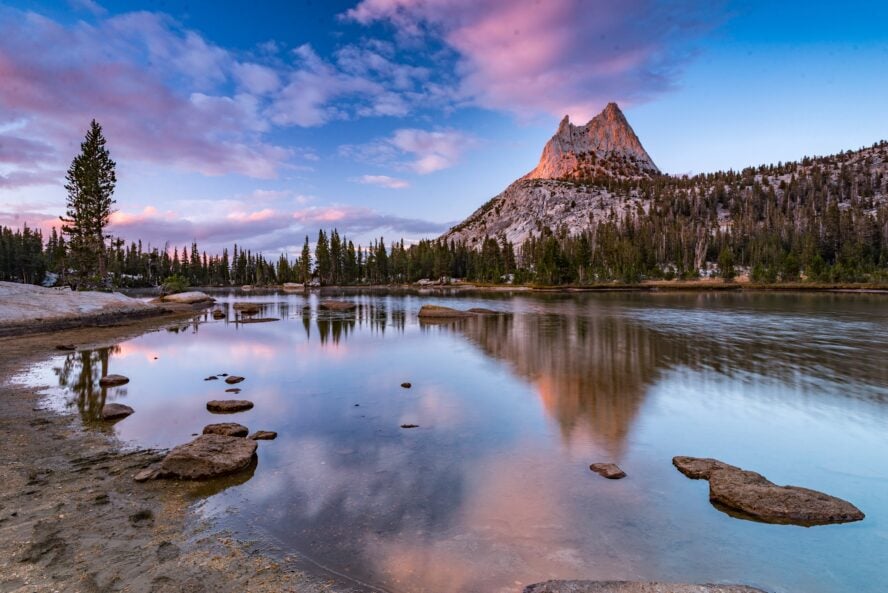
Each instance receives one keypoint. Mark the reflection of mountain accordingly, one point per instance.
(590, 371)
(80, 374)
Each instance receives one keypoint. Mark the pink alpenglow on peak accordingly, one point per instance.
(606, 145)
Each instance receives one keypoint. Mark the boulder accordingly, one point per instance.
(113, 380)
(188, 298)
(207, 456)
(248, 309)
(233, 379)
(438, 312)
(115, 411)
(228, 406)
(611, 471)
(632, 587)
(218, 314)
(342, 306)
(751, 495)
(229, 429)
(264, 435)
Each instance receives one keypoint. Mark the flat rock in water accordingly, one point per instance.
(259, 320)
(247, 308)
(337, 306)
(632, 587)
(115, 411)
(483, 311)
(207, 456)
(187, 298)
(611, 471)
(113, 380)
(233, 379)
(438, 312)
(229, 429)
(227, 406)
(233, 390)
(753, 496)
(264, 435)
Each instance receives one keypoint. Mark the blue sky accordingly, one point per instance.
(400, 117)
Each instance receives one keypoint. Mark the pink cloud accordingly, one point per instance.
(556, 56)
(422, 151)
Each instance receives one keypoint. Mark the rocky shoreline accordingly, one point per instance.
(73, 519)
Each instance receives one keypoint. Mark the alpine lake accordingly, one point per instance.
(492, 490)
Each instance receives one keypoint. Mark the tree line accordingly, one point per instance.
(822, 219)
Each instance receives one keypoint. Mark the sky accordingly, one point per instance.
(260, 123)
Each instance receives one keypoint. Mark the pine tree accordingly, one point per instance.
(90, 184)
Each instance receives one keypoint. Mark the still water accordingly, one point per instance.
(493, 492)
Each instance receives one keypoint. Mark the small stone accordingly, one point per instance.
(113, 380)
(233, 390)
(406, 385)
(226, 406)
(233, 379)
(610, 471)
(115, 411)
(410, 426)
(264, 435)
(229, 429)
(212, 378)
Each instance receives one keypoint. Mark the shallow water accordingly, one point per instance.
(493, 491)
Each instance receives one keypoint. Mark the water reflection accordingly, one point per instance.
(79, 375)
(493, 488)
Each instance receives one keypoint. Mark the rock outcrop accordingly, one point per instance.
(607, 145)
(611, 471)
(751, 495)
(632, 587)
(188, 298)
(207, 456)
(116, 411)
(113, 380)
(229, 429)
(229, 406)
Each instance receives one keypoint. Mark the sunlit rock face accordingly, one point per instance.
(607, 145)
(565, 189)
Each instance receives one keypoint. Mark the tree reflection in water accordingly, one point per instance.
(79, 376)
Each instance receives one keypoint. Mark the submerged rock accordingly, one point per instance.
(439, 312)
(113, 380)
(229, 429)
(207, 456)
(632, 587)
(233, 379)
(337, 306)
(753, 496)
(264, 435)
(611, 471)
(116, 411)
(247, 308)
(211, 378)
(227, 406)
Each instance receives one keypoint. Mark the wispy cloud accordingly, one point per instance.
(421, 151)
(556, 56)
(383, 181)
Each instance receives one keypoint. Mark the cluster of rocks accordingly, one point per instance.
(748, 495)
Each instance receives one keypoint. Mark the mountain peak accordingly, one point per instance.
(606, 145)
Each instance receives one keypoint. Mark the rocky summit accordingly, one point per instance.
(607, 145)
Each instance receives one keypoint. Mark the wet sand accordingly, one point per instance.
(73, 519)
